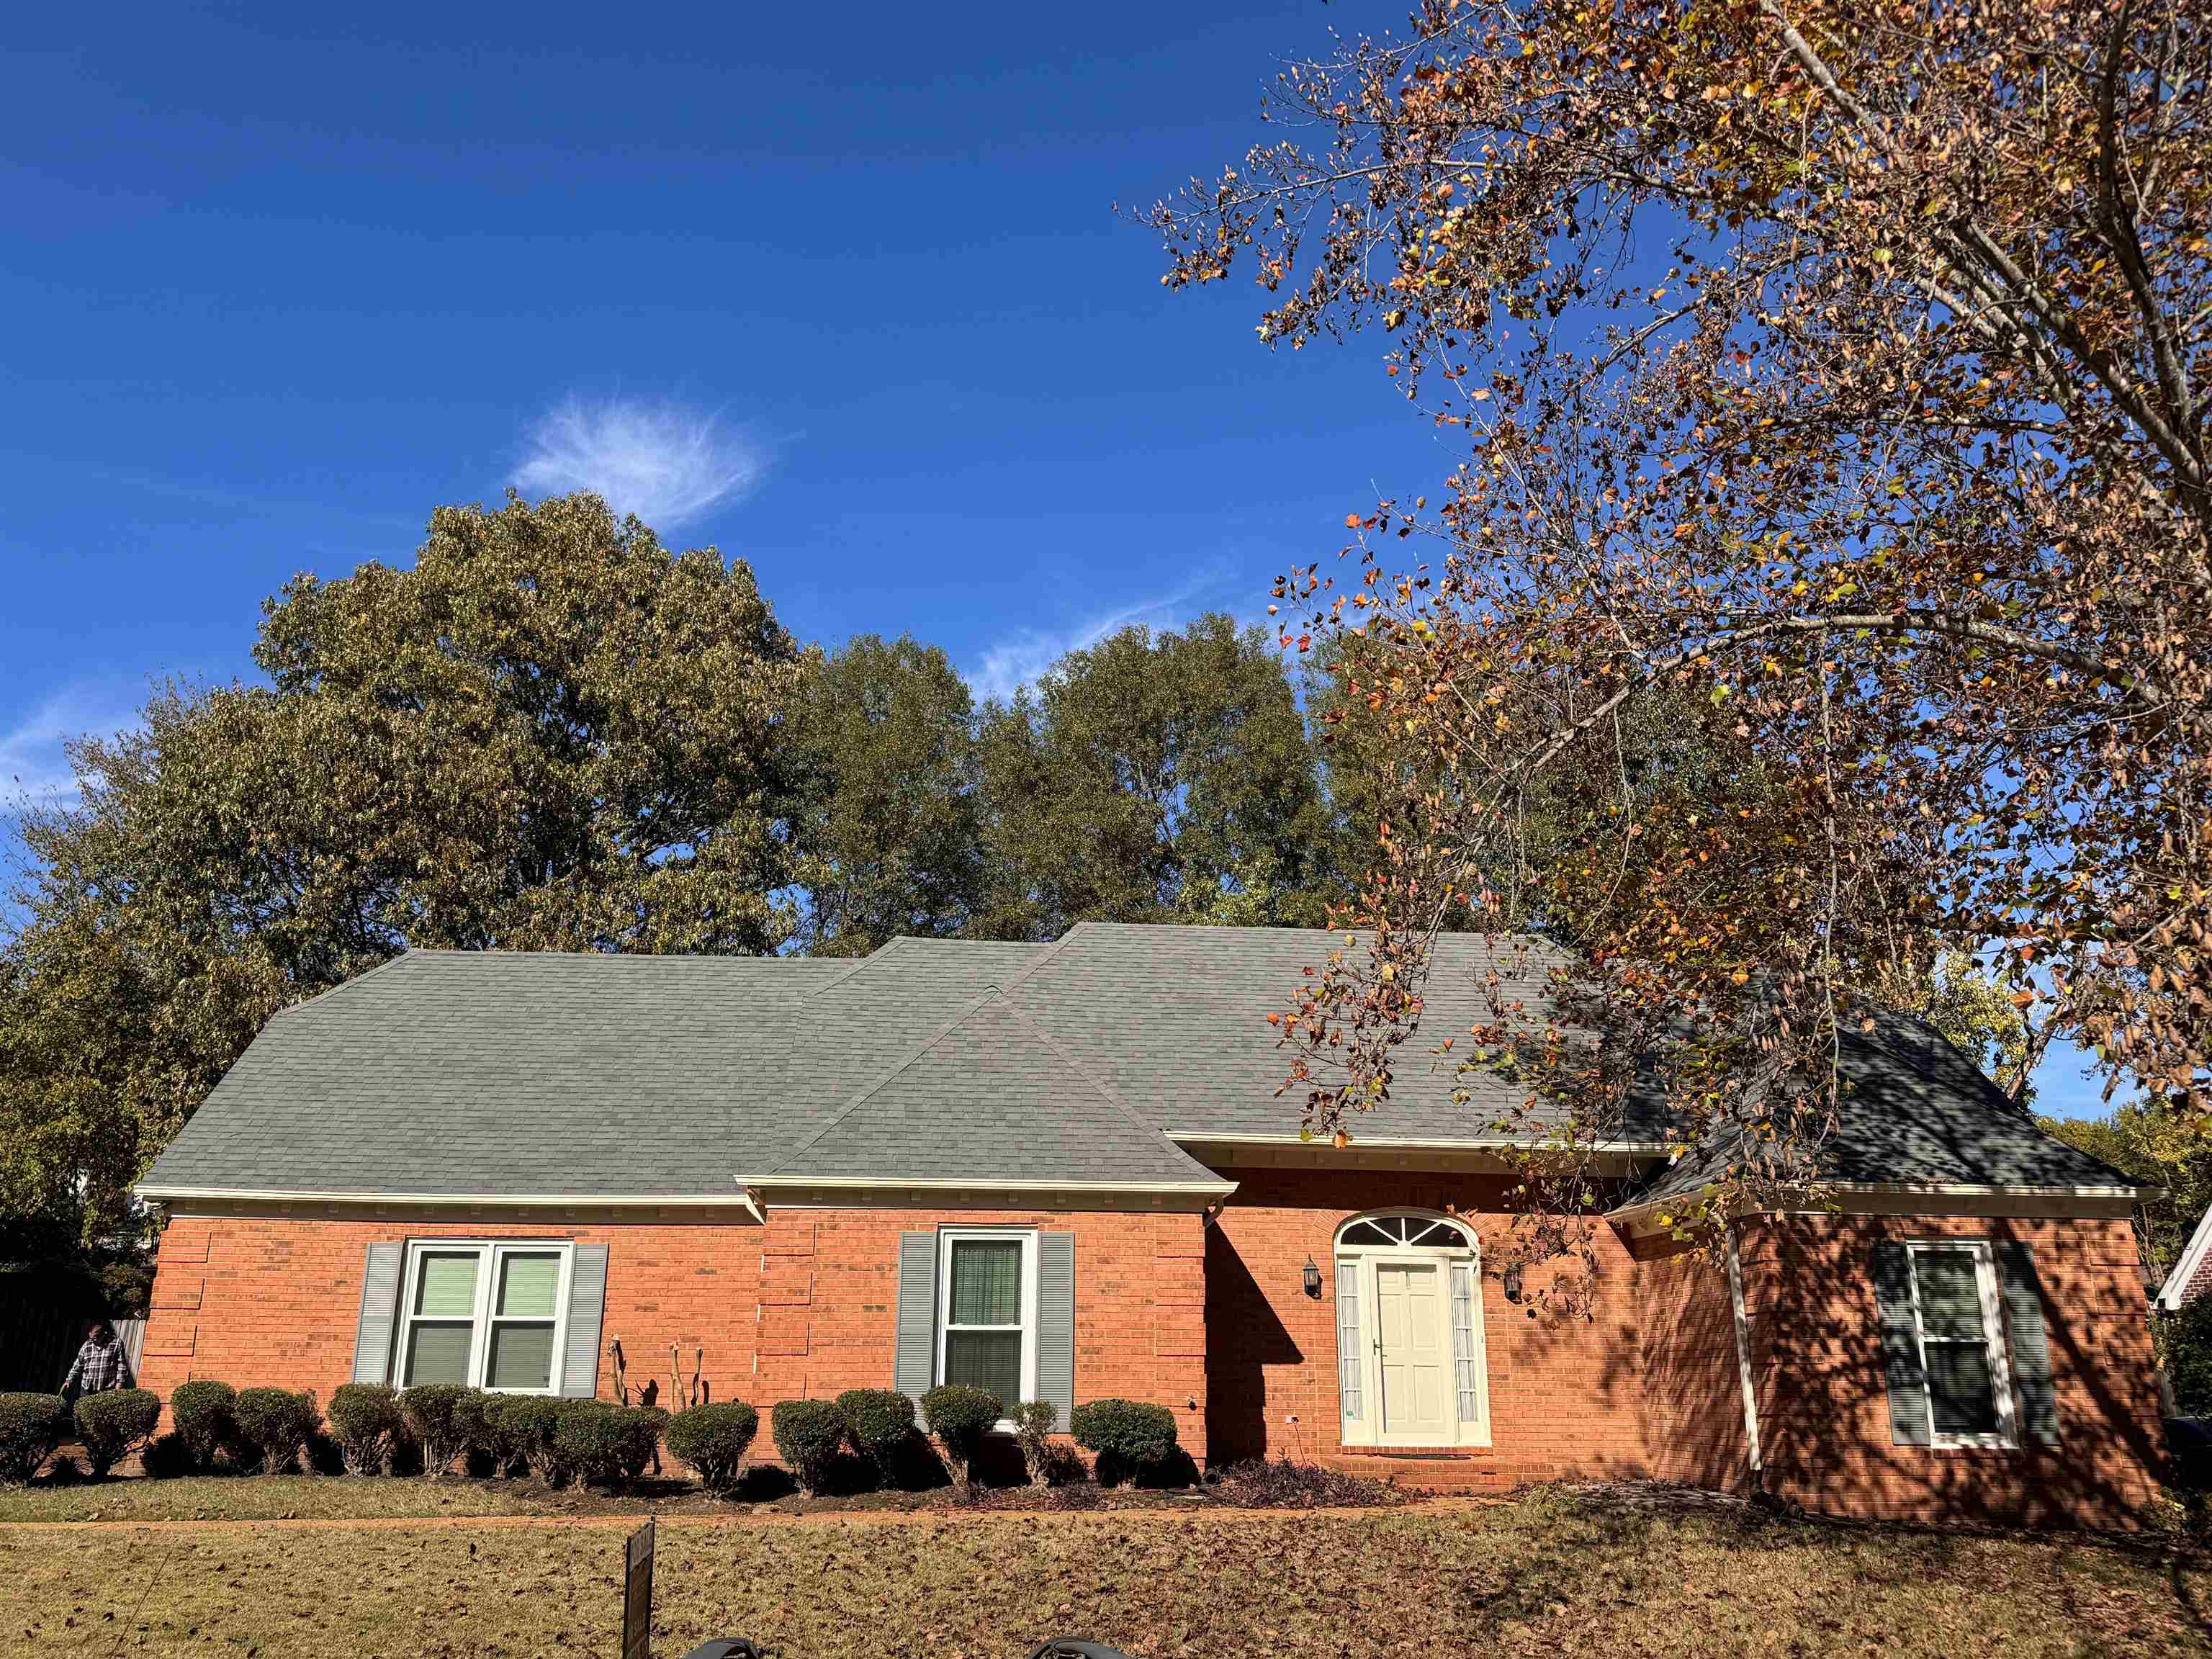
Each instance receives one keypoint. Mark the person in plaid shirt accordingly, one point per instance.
(101, 1363)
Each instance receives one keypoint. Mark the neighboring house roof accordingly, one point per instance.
(1083, 1063)
(2192, 1274)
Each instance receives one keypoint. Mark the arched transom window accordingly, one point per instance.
(1398, 1230)
(1411, 1368)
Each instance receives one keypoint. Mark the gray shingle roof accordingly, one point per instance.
(527, 1075)
(991, 1097)
(461, 1072)
(1915, 1111)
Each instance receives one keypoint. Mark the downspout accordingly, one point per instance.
(1743, 1361)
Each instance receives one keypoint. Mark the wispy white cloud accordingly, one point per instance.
(34, 768)
(1016, 659)
(665, 462)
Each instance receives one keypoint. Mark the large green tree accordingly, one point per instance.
(548, 731)
(1145, 777)
(888, 819)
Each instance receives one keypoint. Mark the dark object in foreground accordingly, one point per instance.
(725, 1647)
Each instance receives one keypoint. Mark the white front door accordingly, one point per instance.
(1413, 1354)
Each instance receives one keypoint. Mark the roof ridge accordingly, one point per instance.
(1106, 1091)
(880, 1079)
(858, 962)
(405, 951)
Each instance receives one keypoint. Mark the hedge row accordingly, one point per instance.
(1129, 1436)
(373, 1429)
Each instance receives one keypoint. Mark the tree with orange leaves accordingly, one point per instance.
(1826, 582)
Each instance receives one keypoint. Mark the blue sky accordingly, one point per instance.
(843, 293)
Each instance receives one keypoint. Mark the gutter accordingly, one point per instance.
(1808, 1202)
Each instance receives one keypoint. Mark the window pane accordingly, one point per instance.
(526, 1285)
(1950, 1292)
(987, 1282)
(438, 1353)
(1959, 1388)
(446, 1286)
(521, 1357)
(986, 1360)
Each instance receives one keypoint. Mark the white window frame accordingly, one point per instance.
(2007, 1435)
(490, 1254)
(946, 1239)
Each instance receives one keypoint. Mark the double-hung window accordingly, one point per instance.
(1962, 1348)
(987, 1302)
(490, 1315)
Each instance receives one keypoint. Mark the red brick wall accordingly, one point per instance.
(1649, 1385)
(804, 1307)
(1213, 1321)
(1693, 1398)
(1824, 1414)
(1565, 1395)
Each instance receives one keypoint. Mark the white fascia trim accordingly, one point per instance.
(1901, 1189)
(1493, 1144)
(888, 1183)
(163, 1195)
(2170, 1296)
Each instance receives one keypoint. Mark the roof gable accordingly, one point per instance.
(989, 1097)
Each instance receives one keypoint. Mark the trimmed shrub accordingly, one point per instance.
(605, 1445)
(715, 1440)
(808, 1434)
(525, 1424)
(276, 1423)
(495, 1448)
(443, 1417)
(112, 1424)
(960, 1417)
(1034, 1421)
(880, 1422)
(1128, 1436)
(204, 1415)
(167, 1456)
(31, 1426)
(365, 1417)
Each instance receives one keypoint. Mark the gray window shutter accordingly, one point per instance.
(1055, 1364)
(1900, 1346)
(914, 1361)
(587, 1307)
(2030, 1345)
(380, 1313)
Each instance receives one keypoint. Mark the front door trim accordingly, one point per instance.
(1452, 1244)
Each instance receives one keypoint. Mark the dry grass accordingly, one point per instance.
(1542, 1573)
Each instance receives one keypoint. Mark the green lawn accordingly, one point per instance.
(1543, 1573)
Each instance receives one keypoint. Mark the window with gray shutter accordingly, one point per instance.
(1055, 1356)
(380, 1313)
(2030, 1343)
(914, 1362)
(587, 1306)
(1900, 1344)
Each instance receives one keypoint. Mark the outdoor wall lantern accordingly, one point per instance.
(1313, 1280)
(1513, 1283)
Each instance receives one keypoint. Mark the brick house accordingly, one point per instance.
(2192, 1270)
(1064, 1171)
